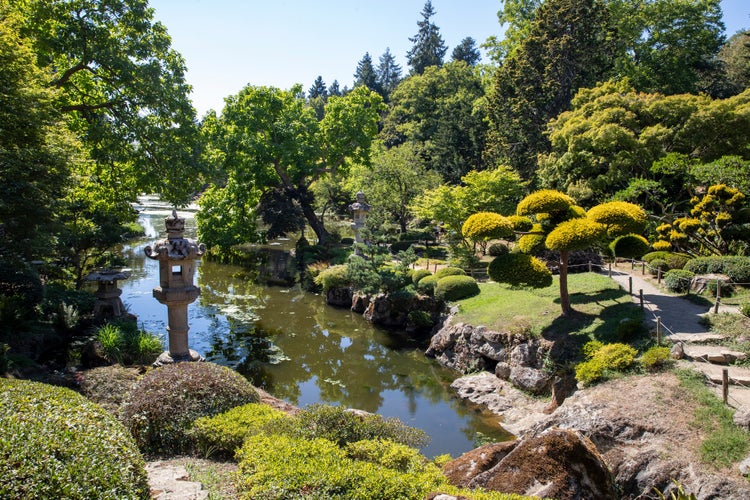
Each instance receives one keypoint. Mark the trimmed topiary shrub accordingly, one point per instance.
(604, 359)
(166, 401)
(417, 275)
(657, 265)
(674, 260)
(453, 288)
(225, 433)
(574, 234)
(656, 358)
(486, 226)
(449, 271)
(629, 246)
(427, 285)
(497, 249)
(532, 243)
(518, 269)
(737, 268)
(521, 223)
(545, 201)
(620, 217)
(55, 443)
(678, 280)
(332, 277)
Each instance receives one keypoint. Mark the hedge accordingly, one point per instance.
(678, 280)
(737, 268)
(674, 260)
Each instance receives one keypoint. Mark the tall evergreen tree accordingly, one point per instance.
(389, 73)
(429, 47)
(318, 89)
(334, 89)
(365, 74)
(467, 52)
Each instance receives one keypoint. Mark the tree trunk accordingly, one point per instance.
(564, 296)
(315, 223)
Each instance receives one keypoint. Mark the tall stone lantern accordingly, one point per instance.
(177, 258)
(360, 209)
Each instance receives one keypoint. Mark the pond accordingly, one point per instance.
(299, 349)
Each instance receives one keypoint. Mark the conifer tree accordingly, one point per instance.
(334, 89)
(389, 73)
(429, 47)
(467, 52)
(318, 89)
(365, 74)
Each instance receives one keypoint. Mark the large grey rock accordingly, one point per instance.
(339, 297)
(742, 419)
(530, 379)
(461, 471)
(525, 355)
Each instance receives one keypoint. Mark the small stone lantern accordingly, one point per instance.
(360, 209)
(108, 303)
(177, 258)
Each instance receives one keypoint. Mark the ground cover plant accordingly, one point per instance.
(55, 443)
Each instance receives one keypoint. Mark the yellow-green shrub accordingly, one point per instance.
(574, 234)
(419, 274)
(656, 357)
(545, 201)
(449, 271)
(333, 277)
(534, 242)
(225, 433)
(620, 217)
(456, 288)
(606, 358)
(629, 246)
(486, 226)
(55, 443)
(519, 269)
(520, 223)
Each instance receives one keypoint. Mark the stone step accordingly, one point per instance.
(714, 354)
(697, 338)
(737, 375)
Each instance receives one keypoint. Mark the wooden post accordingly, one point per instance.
(725, 384)
(658, 275)
(609, 274)
(643, 268)
(630, 285)
(718, 296)
(589, 266)
(658, 330)
(640, 294)
(632, 264)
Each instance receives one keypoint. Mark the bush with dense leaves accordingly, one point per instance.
(332, 277)
(674, 260)
(449, 271)
(545, 201)
(452, 288)
(737, 268)
(166, 401)
(574, 234)
(656, 358)
(417, 275)
(678, 280)
(658, 267)
(55, 443)
(604, 359)
(629, 246)
(484, 226)
(519, 269)
(400, 246)
(497, 249)
(620, 217)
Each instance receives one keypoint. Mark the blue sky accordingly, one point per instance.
(228, 44)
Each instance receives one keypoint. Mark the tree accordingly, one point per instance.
(318, 89)
(395, 177)
(484, 226)
(735, 57)
(429, 47)
(334, 89)
(567, 47)
(388, 73)
(467, 52)
(517, 15)
(270, 139)
(442, 111)
(366, 75)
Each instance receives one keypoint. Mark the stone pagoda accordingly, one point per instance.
(360, 209)
(177, 258)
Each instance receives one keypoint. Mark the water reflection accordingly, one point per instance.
(301, 350)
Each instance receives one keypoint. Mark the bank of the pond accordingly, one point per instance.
(293, 345)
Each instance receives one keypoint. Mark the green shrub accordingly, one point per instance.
(678, 280)
(166, 401)
(122, 342)
(629, 330)
(519, 269)
(412, 236)
(225, 433)
(658, 265)
(745, 309)
(419, 274)
(629, 246)
(531, 243)
(427, 285)
(333, 277)
(737, 268)
(108, 386)
(656, 358)
(486, 226)
(449, 271)
(607, 358)
(400, 246)
(452, 288)
(497, 249)
(674, 260)
(56, 444)
(420, 319)
(287, 467)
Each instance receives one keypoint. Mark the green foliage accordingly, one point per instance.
(166, 401)
(658, 265)
(428, 49)
(629, 246)
(332, 277)
(745, 309)
(124, 343)
(736, 267)
(108, 386)
(678, 280)
(603, 360)
(420, 319)
(225, 433)
(451, 288)
(485, 226)
(656, 358)
(532, 243)
(520, 270)
(544, 201)
(449, 271)
(427, 284)
(620, 217)
(417, 275)
(674, 260)
(575, 234)
(56, 444)
(497, 249)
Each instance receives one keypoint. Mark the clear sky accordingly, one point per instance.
(228, 44)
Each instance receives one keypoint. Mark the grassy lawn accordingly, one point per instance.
(600, 305)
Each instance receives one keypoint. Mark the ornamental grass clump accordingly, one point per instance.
(452, 288)
(55, 443)
(165, 402)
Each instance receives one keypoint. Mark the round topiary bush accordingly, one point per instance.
(657, 265)
(449, 271)
(56, 444)
(165, 402)
(417, 275)
(497, 249)
(519, 269)
(674, 260)
(629, 246)
(427, 285)
(678, 280)
(400, 246)
(486, 226)
(456, 288)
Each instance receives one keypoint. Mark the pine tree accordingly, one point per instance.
(365, 74)
(389, 73)
(334, 89)
(318, 89)
(467, 52)
(429, 47)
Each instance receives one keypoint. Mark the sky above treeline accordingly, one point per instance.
(228, 44)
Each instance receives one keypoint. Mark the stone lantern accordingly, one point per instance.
(108, 303)
(360, 209)
(177, 258)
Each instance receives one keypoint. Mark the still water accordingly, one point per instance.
(299, 349)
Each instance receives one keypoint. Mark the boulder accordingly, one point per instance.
(530, 379)
(678, 351)
(742, 419)
(462, 470)
(339, 297)
(360, 302)
(558, 463)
